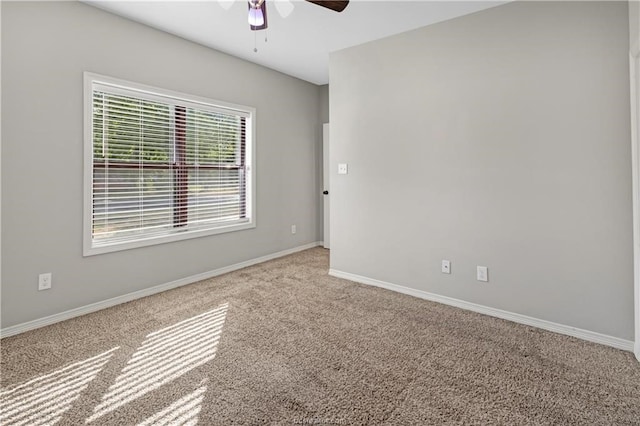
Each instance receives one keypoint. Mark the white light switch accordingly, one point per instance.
(343, 169)
(482, 273)
(446, 267)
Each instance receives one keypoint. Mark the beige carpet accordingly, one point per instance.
(284, 343)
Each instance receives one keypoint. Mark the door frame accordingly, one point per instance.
(634, 73)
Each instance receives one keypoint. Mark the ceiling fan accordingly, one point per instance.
(258, 9)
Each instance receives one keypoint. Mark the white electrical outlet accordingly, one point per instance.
(294, 229)
(343, 169)
(446, 267)
(482, 273)
(44, 281)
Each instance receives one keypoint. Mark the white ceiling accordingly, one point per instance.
(298, 45)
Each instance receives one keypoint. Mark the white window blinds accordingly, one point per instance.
(162, 166)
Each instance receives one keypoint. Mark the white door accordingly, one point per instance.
(325, 179)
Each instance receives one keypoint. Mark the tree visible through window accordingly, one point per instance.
(162, 166)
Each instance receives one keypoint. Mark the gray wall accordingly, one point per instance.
(324, 103)
(499, 139)
(45, 49)
(634, 27)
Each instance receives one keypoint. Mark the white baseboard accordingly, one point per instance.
(52, 319)
(637, 351)
(591, 336)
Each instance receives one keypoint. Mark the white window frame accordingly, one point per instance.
(149, 92)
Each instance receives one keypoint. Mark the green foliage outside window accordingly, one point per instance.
(132, 130)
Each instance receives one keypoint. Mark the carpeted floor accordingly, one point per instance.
(284, 343)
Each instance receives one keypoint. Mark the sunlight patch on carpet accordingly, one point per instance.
(43, 400)
(182, 412)
(164, 356)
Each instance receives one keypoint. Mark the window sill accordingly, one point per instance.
(91, 250)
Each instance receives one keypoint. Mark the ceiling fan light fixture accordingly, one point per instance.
(257, 14)
(256, 18)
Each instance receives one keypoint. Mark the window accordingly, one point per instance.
(163, 166)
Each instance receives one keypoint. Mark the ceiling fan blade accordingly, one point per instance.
(284, 7)
(336, 5)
